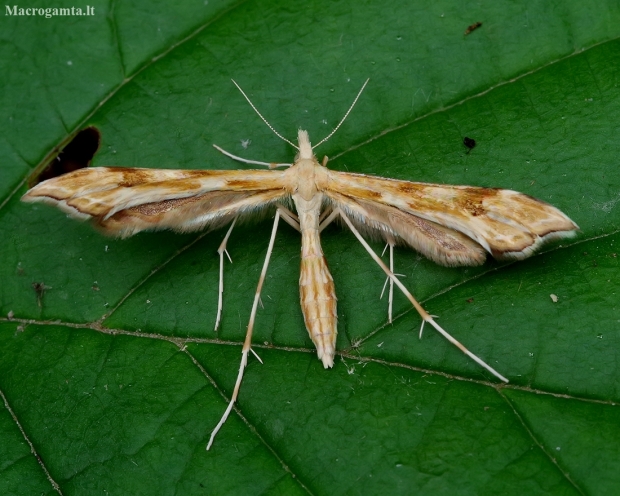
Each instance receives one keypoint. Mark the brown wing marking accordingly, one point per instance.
(505, 223)
(213, 209)
(123, 201)
(441, 244)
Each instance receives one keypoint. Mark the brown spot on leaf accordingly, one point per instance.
(472, 27)
(39, 289)
(469, 143)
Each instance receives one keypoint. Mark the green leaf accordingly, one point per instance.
(112, 377)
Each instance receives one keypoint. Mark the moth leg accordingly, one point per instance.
(221, 250)
(422, 326)
(324, 214)
(423, 313)
(329, 219)
(271, 165)
(247, 344)
(289, 217)
(390, 244)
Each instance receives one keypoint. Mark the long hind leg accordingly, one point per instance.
(426, 317)
(247, 344)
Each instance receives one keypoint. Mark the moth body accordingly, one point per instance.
(317, 294)
(451, 225)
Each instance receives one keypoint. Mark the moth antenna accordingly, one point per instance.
(343, 119)
(265, 120)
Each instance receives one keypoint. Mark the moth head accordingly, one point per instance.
(305, 148)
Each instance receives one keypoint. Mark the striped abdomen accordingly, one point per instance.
(316, 288)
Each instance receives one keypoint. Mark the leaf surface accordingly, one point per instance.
(112, 377)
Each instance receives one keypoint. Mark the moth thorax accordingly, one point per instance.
(305, 149)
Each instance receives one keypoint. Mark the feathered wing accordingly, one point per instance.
(451, 225)
(124, 201)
